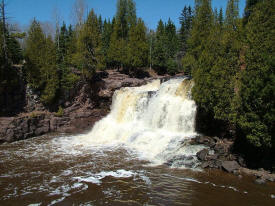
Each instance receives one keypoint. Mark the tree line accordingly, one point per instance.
(230, 58)
(232, 62)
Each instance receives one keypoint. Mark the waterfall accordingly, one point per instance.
(154, 120)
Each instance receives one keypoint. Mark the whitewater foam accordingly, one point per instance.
(152, 120)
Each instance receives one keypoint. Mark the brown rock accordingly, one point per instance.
(202, 155)
(230, 166)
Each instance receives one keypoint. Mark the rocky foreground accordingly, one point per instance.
(219, 155)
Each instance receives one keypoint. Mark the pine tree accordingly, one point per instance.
(220, 17)
(106, 38)
(125, 19)
(89, 57)
(159, 57)
(232, 13)
(217, 67)
(171, 45)
(41, 63)
(185, 29)
(137, 48)
(131, 13)
(202, 25)
(248, 9)
(256, 94)
(48, 73)
(117, 52)
(34, 53)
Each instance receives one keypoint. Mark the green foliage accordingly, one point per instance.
(125, 20)
(256, 111)
(60, 112)
(234, 80)
(217, 64)
(165, 48)
(137, 48)
(41, 63)
(185, 29)
(159, 49)
(89, 55)
(107, 31)
(202, 25)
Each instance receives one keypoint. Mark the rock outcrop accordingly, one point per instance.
(87, 103)
(219, 155)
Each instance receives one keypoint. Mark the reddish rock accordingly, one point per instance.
(83, 105)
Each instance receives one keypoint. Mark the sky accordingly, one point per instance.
(151, 11)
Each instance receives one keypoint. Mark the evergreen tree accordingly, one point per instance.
(125, 19)
(159, 57)
(89, 57)
(106, 38)
(256, 94)
(202, 25)
(185, 29)
(117, 52)
(48, 73)
(232, 13)
(13, 49)
(217, 68)
(248, 9)
(100, 24)
(171, 46)
(172, 39)
(34, 53)
(138, 47)
(131, 13)
(41, 63)
(220, 18)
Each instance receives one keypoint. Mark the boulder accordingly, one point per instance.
(220, 148)
(202, 155)
(230, 166)
(205, 165)
(260, 181)
(208, 141)
(241, 161)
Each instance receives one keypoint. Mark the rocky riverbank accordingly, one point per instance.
(219, 155)
(89, 103)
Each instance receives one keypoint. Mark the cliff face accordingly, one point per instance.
(12, 93)
(88, 102)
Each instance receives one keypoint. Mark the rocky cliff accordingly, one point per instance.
(89, 101)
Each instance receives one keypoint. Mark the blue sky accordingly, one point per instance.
(23, 11)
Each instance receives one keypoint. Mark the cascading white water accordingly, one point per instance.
(154, 120)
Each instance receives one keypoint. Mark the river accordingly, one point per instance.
(124, 159)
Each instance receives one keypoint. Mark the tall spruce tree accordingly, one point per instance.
(202, 25)
(159, 57)
(125, 19)
(256, 94)
(185, 29)
(89, 53)
(107, 31)
(171, 46)
(138, 48)
(41, 63)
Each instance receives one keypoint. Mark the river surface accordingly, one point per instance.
(50, 170)
(124, 159)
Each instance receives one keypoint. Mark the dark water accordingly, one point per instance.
(52, 170)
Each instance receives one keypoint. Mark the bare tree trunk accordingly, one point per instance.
(4, 31)
(78, 12)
